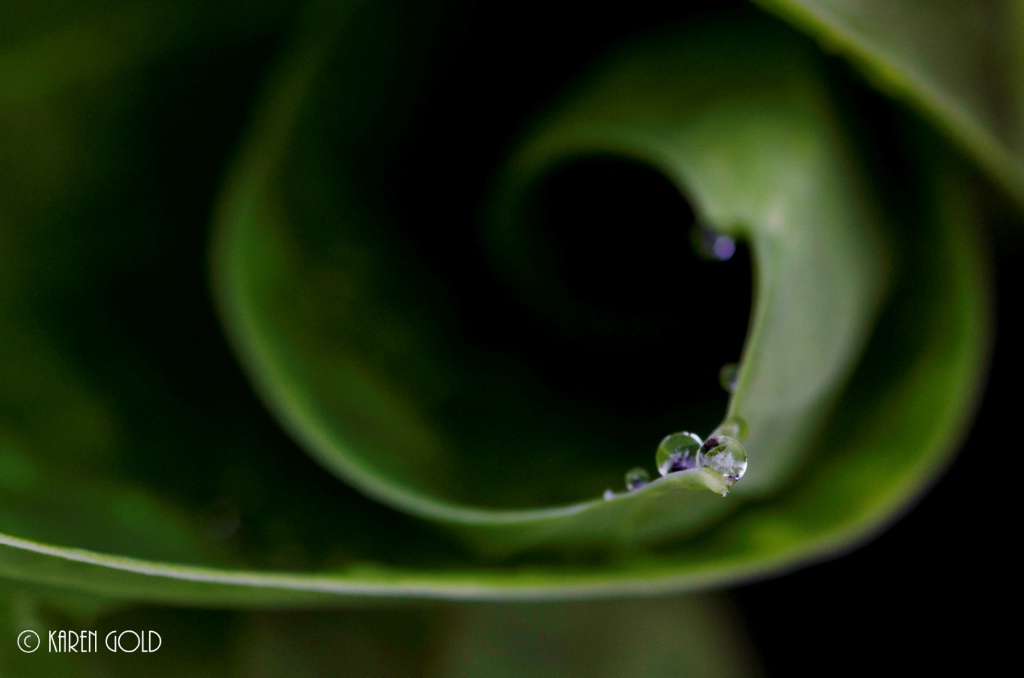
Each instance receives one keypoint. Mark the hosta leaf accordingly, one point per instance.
(353, 341)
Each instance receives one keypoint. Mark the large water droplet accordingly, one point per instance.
(728, 375)
(637, 478)
(734, 427)
(677, 452)
(723, 456)
(711, 245)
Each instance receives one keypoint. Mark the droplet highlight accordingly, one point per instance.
(711, 245)
(677, 452)
(723, 456)
(637, 478)
(728, 375)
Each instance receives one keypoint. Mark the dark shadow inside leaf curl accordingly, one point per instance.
(624, 289)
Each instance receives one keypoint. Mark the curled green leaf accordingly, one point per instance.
(475, 479)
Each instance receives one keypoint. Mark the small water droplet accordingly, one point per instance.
(637, 478)
(724, 456)
(609, 495)
(711, 245)
(677, 452)
(728, 375)
(734, 427)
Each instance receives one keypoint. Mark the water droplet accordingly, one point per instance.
(609, 495)
(723, 456)
(637, 478)
(733, 427)
(728, 375)
(677, 452)
(711, 245)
